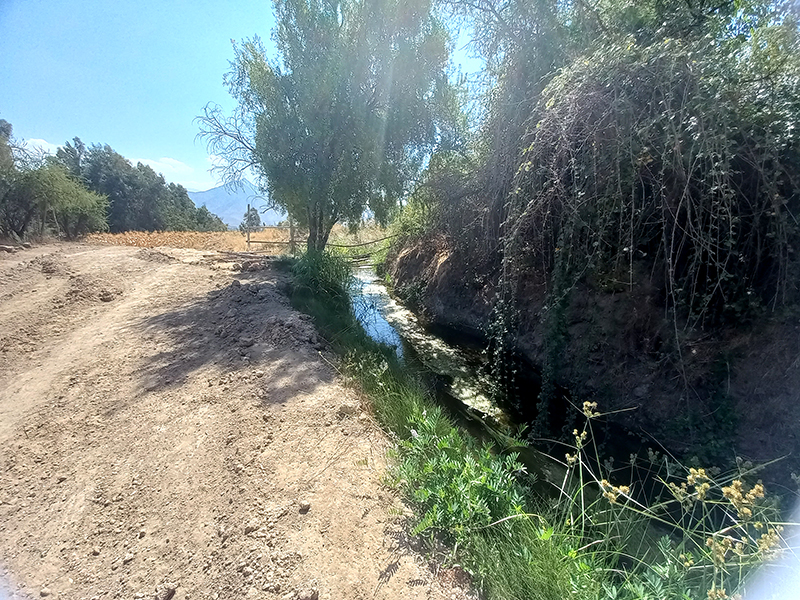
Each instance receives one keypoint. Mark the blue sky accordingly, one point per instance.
(130, 74)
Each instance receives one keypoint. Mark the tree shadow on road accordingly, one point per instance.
(246, 328)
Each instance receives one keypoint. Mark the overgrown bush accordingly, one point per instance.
(47, 199)
(681, 155)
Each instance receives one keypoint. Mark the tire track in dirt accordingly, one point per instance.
(171, 431)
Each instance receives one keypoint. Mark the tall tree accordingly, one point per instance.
(139, 198)
(345, 116)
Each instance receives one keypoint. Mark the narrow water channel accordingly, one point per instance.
(464, 390)
(388, 322)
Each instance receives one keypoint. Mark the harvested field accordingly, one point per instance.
(196, 240)
(230, 241)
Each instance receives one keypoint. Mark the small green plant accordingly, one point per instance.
(323, 273)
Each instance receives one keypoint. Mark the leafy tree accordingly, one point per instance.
(139, 198)
(76, 210)
(48, 197)
(7, 171)
(252, 220)
(6, 159)
(72, 157)
(345, 116)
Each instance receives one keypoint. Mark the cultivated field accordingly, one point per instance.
(232, 241)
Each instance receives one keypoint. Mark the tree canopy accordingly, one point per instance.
(346, 114)
(83, 189)
(139, 198)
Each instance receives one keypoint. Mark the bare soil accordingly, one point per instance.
(170, 428)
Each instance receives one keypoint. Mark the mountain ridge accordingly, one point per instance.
(230, 205)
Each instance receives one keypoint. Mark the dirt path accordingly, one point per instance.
(170, 429)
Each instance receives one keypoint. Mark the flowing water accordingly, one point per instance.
(388, 322)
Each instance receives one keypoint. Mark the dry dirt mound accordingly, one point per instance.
(184, 438)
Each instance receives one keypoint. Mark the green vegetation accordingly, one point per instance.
(37, 197)
(698, 536)
(630, 188)
(344, 117)
(623, 139)
(80, 190)
(251, 221)
(139, 198)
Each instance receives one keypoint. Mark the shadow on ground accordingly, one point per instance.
(245, 326)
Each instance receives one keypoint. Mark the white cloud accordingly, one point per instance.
(176, 171)
(41, 146)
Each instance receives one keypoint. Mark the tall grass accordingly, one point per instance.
(591, 539)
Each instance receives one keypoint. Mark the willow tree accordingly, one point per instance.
(343, 117)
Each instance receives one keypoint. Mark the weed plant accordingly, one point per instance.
(697, 540)
(698, 534)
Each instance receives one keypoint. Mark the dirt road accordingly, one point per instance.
(170, 428)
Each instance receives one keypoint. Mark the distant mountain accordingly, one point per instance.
(230, 205)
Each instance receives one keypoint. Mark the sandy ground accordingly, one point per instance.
(170, 428)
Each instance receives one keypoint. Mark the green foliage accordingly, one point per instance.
(76, 210)
(638, 152)
(460, 492)
(325, 274)
(45, 197)
(139, 198)
(464, 493)
(251, 221)
(699, 534)
(593, 540)
(345, 115)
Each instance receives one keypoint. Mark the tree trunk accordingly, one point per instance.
(319, 229)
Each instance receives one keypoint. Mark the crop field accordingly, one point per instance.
(212, 240)
(276, 239)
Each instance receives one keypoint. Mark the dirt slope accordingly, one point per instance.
(170, 428)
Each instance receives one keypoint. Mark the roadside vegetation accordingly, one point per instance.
(591, 535)
(88, 189)
(625, 216)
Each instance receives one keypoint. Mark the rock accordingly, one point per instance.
(305, 506)
(61, 478)
(246, 341)
(308, 594)
(7, 249)
(26, 245)
(95, 550)
(236, 283)
(142, 533)
(166, 591)
(346, 410)
(106, 295)
(44, 592)
(259, 373)
(128, 558)
(247, 571)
